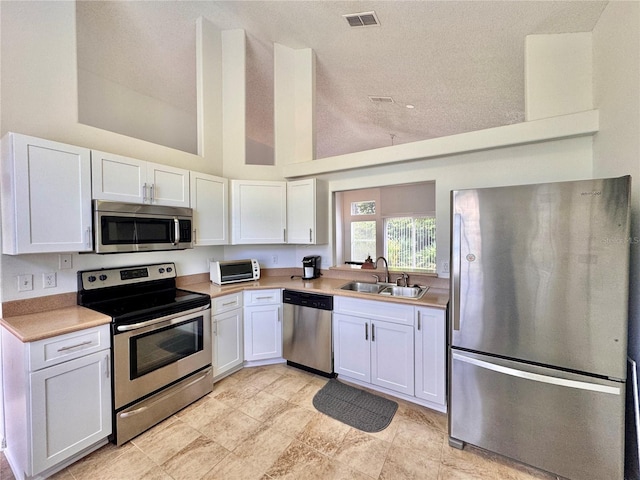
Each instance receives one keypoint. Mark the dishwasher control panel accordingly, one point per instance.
(311, 300)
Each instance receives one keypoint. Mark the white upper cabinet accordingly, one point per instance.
(259, 211)
(209, 200)
(307, 212)
(46, 196)
(123, 179)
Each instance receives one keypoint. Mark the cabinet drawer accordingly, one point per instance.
(55, 350)
(226, 303)
(262, 297)
(390, 312)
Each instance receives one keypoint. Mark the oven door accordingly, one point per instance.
(156, 353)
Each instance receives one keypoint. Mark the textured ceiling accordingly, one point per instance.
(461, 64)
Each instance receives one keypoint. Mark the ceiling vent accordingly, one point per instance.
(375, 99)
(364, 19)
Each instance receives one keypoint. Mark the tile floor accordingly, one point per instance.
(259, 423)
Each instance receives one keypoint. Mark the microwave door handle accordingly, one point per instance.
(176, 231)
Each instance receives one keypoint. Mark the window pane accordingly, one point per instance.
(363, 240)
(410, 243)
(363, 208)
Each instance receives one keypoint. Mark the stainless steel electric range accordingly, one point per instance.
(161, 342)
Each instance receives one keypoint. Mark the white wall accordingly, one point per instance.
(39, 87)
(561, 160)
(616, 149)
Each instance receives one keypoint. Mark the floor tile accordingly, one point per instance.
(260, 424)
(195, 459)
(323, 433)
(263, 448)
(165, 440)
(362, 452)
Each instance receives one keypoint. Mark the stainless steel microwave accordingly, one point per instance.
(232, 271)
(129, 227)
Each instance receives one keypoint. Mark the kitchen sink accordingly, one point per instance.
(405, 292)
(362, 287)
(385, 289)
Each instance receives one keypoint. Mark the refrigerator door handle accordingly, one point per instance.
(536, 377)
(455, 269)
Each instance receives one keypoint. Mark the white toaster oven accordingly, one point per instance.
(232, 271)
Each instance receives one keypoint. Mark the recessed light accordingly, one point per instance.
(408, 105)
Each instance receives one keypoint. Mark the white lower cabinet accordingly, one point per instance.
(228, 351)
(430, 335)
(373, 343)
(262, 325)
(57, 399)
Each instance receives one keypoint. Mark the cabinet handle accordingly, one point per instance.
(284, 234)
(106, 362)
(88, 238)
(152, 196)
(418, 320)
(310, 235)
(144, 193)
(366, 331)
(373, 332)
(70, 347)
(195, 237)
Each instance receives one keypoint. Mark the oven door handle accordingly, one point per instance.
(171, 319)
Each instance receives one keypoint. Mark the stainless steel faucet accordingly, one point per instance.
(386, 268)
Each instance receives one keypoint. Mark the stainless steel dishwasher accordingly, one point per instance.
(307, 336)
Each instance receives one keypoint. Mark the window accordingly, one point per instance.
(397, 222)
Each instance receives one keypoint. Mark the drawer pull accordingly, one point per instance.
(70, 347)
(230, 303)
(264, 298)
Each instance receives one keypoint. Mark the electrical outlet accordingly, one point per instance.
(25, 282)
(49, 280)
(445, 267)
(274, 259)
(64, 261)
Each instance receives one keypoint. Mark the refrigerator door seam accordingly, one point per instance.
(536, 377)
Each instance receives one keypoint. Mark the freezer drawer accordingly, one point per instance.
(568, 424)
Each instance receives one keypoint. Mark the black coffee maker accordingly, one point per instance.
(311, 267)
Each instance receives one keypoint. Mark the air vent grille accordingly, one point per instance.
(376, 99)
(364, 19)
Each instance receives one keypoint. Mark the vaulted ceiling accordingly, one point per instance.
(460, 64)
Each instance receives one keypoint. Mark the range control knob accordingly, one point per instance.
(161, 270)
(91, 278)
(169, 269)
(103, 277)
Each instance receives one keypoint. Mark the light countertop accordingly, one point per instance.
(50, 323)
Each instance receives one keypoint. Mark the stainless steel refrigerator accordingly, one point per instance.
(538, 324)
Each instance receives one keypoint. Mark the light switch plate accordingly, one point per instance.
(25, 282)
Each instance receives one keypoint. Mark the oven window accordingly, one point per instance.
(130, 231)
(158, 348)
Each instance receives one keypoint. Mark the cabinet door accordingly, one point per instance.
(351, 347)
(227, 341)
(46, 196)
(262, 332)
(117, 178)
(210, 209)
(301, 212)
(70, 408)
(168, 185)
(392, 360)
(430, 355)
(259, 212)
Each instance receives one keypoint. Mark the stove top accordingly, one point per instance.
(138, 293)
